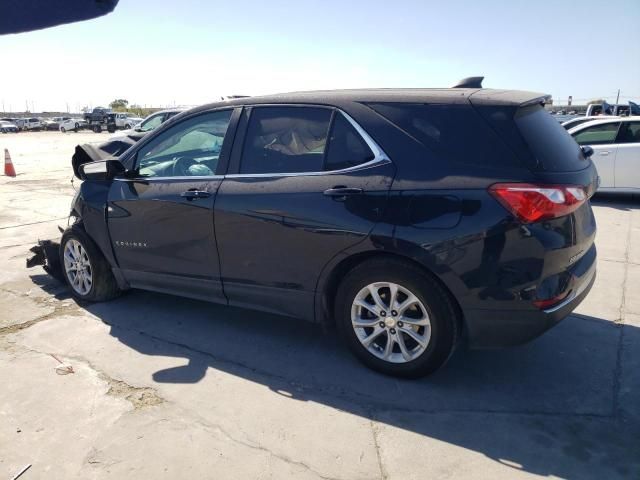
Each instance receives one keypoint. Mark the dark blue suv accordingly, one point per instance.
(410, 218)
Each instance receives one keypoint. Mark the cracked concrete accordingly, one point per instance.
(139, 397)
(175, 388)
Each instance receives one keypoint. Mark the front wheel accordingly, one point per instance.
(85, 269)
(62, 129)
(396, 318)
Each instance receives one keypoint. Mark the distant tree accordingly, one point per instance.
(85, 109)
(597, 101)
(119, 103)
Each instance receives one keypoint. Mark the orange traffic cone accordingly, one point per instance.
(9, 171)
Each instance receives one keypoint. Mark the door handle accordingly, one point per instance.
(193, 194)
(604, 152)
(341, 191)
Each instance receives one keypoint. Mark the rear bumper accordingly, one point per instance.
(510, 327)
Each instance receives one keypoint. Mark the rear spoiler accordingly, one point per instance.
(516, 98)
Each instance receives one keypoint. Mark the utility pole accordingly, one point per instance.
(618, 97)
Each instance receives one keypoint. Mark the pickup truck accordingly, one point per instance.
(126, 120)
(102, 117)
(32, 124)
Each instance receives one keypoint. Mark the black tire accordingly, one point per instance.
(443, 315)
(62, 129)
(76, 127)
(103, 285)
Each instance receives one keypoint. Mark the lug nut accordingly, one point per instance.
(400, 324)
(383, 313)
(381, 324)
(392, 331)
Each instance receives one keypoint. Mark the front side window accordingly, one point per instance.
(629, 133)
(285, 140)
(597, 134)
(189, 148)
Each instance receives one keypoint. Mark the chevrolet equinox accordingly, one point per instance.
(411, 218)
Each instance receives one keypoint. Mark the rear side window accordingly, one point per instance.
(597, 134)
(629, 133)
(285, 140)
(346, 147)
(551, 146)
(456, 133)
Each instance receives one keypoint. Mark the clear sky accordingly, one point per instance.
(190, 52)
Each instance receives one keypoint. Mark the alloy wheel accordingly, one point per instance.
(77, 267)
(391, 322)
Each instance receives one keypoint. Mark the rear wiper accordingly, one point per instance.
(587, 151)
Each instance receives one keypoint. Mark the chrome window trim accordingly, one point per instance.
(181, 178)
(379, 156)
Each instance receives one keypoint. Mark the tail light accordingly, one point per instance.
(534, 203)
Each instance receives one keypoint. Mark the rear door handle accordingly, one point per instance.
(604, 152)
(341, 191)
(193, 194)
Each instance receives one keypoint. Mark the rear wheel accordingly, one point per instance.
(396, 318)
(85, 269)
(62, 129)
(76, 127)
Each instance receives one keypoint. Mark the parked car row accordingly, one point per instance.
(110, 120)
(24, 123)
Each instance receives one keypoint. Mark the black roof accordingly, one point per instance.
(477, 96)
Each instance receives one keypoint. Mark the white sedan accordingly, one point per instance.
(72, 124)
(616, 151)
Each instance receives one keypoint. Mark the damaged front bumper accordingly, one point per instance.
(47, 254)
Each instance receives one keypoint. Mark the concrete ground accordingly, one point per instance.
(164, 387)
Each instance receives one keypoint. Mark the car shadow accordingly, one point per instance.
(559, 396)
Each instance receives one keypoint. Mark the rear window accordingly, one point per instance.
(285, 140)
(456, 133)
(550, 144)
(346, 147)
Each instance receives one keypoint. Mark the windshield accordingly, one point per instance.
(151, 123)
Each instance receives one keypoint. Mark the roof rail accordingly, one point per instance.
(469, 82)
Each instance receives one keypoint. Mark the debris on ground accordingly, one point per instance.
(24, 469)
(62, 368)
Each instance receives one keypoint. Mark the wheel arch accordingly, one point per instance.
(328, 285)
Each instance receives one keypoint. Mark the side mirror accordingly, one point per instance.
(101, 170)
(587, 151)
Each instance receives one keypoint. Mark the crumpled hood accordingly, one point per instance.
(91, 152)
